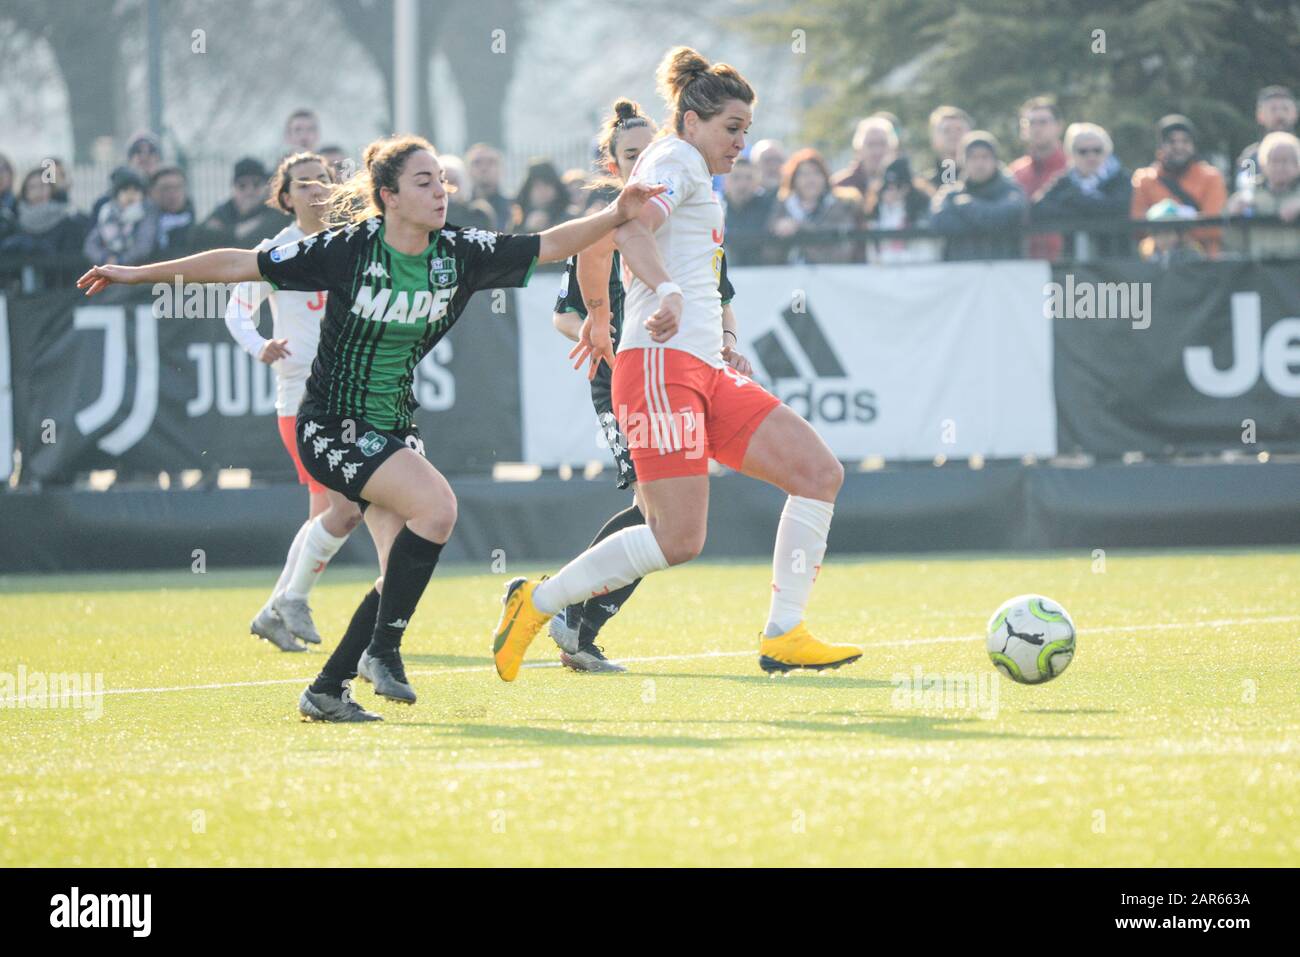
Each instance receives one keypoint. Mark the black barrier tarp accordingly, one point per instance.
(104, 384)
(503, 524)
(1181, 384)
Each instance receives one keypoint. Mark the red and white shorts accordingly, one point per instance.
(678, 412)
(290, 439)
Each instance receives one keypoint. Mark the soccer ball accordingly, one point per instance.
(1031, 639)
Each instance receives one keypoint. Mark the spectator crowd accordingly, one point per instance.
(1068, 195)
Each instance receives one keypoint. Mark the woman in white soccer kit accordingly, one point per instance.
(677, 400)
(594, 282)
(301, 187)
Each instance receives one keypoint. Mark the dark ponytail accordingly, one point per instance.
(687, 82)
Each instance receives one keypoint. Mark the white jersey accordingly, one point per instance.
(690, 242)
(295, 316)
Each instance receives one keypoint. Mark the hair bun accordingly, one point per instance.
(625, 109)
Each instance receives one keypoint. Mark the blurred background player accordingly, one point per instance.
(300, 186)
(680, 403)
(624, 136)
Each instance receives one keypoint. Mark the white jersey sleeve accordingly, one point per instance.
(690, 244)
(667, 168)
(241, 314)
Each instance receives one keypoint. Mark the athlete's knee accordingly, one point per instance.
(680, 545)
(340, 520)
(821, 477)
(436, 517)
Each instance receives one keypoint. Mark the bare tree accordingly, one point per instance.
(89, 57)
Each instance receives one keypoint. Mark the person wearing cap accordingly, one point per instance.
(126, 226)
(900, 200)
(981, 214)
(1275, 112)
(1178, 174)
(1167, 246)
(244, 219)
(144, 155)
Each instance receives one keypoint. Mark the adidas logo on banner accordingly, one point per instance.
(799, 376)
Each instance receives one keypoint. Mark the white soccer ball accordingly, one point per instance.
(1031, 639)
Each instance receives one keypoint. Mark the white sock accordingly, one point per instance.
(318, 547)
(611, 563)
(800, 547)
(290, 561)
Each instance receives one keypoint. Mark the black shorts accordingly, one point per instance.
(342, 452)
(602, 398)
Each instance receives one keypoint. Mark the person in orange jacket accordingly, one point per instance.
(1179, 175)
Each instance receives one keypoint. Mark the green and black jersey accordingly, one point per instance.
(570, 298)
(387, 309)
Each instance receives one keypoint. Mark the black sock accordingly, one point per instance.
(342, 664)
(596, 611)
(410, 564)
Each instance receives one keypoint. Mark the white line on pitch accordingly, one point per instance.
(903, 642)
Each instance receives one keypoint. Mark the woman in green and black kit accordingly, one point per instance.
(398, 276)
(625, 134)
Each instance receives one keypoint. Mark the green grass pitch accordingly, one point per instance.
(1171, 740)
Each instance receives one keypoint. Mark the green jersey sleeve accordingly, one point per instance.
(318, 261)
(496, 260)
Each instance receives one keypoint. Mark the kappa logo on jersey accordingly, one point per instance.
(449, 235)
(282, 253)
(325, 242)
(372, 226)
(309, 242)
(376, 270)
(372, 443)
(442, 271)
(388, 305)
(811, 399)
(486, 240)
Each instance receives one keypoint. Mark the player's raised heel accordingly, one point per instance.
(388, 675)
(296, 615)
(268, 626)
(519, 624)
(797, 649)
(564, 628)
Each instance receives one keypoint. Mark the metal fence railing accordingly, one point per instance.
(1077, 241)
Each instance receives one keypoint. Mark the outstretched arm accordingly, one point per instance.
(215, 265)
(562, 241)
